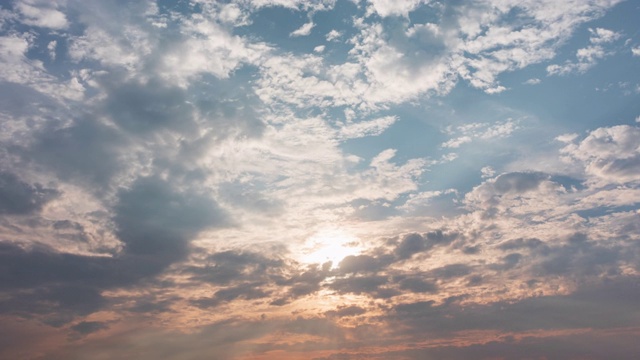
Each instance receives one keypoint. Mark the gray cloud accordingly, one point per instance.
(88, 327)
(87, 152)
(18, 197)
(154, 219)
(142, 108)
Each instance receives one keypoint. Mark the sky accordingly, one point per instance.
(327, 179)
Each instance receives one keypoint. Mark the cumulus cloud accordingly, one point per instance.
(610, 153)
(42, 14)
(333, 35)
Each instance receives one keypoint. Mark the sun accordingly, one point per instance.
(329, 245)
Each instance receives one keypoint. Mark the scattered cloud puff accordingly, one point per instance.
(304, 30)
(483, 131)
(587, 57)
(367, 128)
(333, 35)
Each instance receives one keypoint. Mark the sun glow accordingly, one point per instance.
(329, 245)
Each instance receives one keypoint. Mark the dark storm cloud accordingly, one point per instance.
(451, 271)
(416, 285)
(508, 262)
(225, 267)
(587, 346)
(58, 287)
(54, 304)
(346, 311)
(415, 243)
(373, 285)
(581, 257)
(18, 197)
(410, 244)
(607, 304)
(142, 108)
(23, 269)
(577, 255)
(244, 291)
(364, 263)
(153, 219)
(88, 327)
(247, 275)
(306, 281)
(87, 151)
(229, 339)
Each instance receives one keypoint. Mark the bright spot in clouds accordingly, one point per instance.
(329, 245)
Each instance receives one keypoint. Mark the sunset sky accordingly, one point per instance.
(328, 179)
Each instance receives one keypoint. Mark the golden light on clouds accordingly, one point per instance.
(329, 245)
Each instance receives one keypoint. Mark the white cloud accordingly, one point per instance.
(319, 48)
(367, 128)
(292, 174)
(588, 56)
(487, 172)
(231, 13)
(333, 35)
(567, 138)
(602, 36)
(635, 51)
(455, 143)
(386, 8)
(16, 67)
(533, 81)
(209, 49)
(516, 193)
(42, 14)
(52, 49)
(467, 133)
(432, 57)
(126, 50)
(303, 30)
(609, 154)
(495, 90)
(499, 130)
(319, 5)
